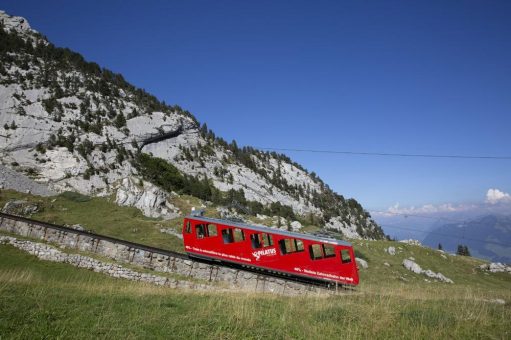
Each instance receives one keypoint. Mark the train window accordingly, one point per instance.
(227, 236)
(239, 235)
(290, 245)
(261, 240)
(267, 240)
(188, 227)
(204, 230)
(201, 230)
(231, 235)
(299, 245)
(256, 241)
(212, 230)
(315, 251)
(345, 256)
(328, 250)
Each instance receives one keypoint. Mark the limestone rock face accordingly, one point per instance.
(10, 179)
(349, 230)
(13, 23)
(150, 199)
(80, 128)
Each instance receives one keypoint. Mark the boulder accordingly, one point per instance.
(296, 226)
(391, 251)
(412, 242)
(414, 267)
(75, 227)
(361, 263)
(496, 267)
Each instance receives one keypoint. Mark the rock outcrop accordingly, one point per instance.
(414, 267)
(77, 127)
(496, 267)
(361, 263)
(348, 229)
(21, 208)
(150, 199)
(412, 242)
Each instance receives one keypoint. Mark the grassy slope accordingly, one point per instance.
(102, 216)
(41, 299)
(52, 300)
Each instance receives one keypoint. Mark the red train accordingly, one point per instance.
(270, 249)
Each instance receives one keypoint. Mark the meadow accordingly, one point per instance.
(41, 299)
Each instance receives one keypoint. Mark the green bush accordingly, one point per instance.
(74, 196)
(160, 172)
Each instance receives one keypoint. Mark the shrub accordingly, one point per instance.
(160, 172)
(40, 148)
(74, 196)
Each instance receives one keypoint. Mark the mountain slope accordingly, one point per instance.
(75, 126)
(487, 237)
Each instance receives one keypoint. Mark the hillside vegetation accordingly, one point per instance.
(54, 300)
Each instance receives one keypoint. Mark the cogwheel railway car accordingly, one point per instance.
(295, 254)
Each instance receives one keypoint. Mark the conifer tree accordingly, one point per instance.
(120, 121)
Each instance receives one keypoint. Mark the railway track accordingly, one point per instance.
(175, 254)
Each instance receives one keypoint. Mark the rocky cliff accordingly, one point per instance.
(74, 126)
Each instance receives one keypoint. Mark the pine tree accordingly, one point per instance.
(204, 130)
(463, 250)
(120, 121)
(460, 250)
(440, 246)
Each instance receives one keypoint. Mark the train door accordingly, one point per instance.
(348, 265)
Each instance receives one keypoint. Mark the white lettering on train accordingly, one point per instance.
(264, 252)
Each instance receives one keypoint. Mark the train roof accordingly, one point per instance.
(265, 229)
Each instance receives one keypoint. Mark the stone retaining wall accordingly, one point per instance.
(49, 253)
(231, 278)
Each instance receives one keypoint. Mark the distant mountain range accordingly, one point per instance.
(487, 237)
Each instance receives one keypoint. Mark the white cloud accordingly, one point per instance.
(425, 209)
(494, 196)
(496, 202)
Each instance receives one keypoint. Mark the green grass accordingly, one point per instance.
(48, 300)
(462, 270)
(102, 216)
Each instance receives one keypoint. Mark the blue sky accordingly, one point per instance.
(374, 76)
